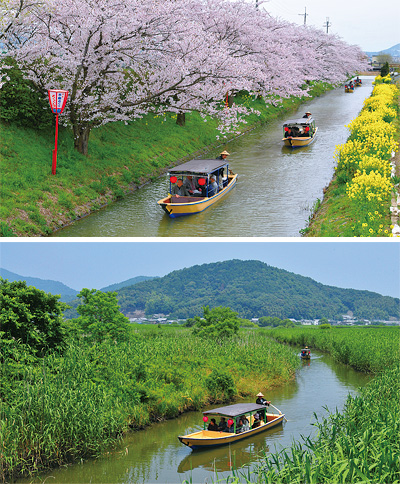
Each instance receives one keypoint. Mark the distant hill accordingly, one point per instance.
(394, 51)
(128, 282)
(54, 287)
(253, 289)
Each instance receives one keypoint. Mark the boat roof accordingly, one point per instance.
(199, 166)
(235, 410)
(299, 121)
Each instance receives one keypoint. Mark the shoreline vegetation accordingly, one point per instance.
(362, 198)
(122, 158)
(359, 444)
(61, 408)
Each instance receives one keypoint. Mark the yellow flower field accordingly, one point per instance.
(363, 162)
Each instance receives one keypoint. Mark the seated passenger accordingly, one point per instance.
(212, 187)
(230, 428)
(256, 422)
(246, 425)
(212, 425)
(192, 186)
(289, 133)
(178, 189)
(222, 426)
(239, 426)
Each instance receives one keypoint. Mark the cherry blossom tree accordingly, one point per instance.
(122, 59)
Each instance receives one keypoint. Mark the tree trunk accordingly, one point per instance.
(231, 98)
(180, 119)
(81, 139)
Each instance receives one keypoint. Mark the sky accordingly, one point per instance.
(369, 265)
(367, 23)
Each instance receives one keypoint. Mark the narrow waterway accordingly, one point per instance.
(276, 190)
(156, 456)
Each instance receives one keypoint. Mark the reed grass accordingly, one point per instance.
(65, 407)
(361, 444)
(368, 348)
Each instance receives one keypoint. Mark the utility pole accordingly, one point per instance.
(305, 15)
(327, 24)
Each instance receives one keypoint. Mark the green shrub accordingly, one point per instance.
(220, 385)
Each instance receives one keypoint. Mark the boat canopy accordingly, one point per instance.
(301, 121)
(198, 167)
(235, 410)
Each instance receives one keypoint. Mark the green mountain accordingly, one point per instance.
(54, 287)
(253, 289)
(128, 282)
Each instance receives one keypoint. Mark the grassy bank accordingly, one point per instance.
(357, 201)
(358, 445)
(60, 408)
(121, 158)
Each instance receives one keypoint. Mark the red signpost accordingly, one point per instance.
(58, 99)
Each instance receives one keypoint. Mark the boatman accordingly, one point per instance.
(222, 155)
(307, 115)
(261, 400)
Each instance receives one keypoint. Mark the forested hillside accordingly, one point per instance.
(253, 289)
(54, 287)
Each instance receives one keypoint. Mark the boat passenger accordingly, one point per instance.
(222, 426)
(256, 422)
(212, 425)
(239, 426)
(230, 428)
(222, 155)
(261, 400)
(289, 133)
(192, 186)
(178, 189)
(212, 187)
(246, 425)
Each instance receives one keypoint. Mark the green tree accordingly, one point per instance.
(218, 323)
(31, 316)
(100, 316)
(21, 102)
(385, 69)
(323, 321)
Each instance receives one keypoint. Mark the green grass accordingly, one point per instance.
(121, 158)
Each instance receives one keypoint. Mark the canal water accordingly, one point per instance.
(276, 191)
(156, 456)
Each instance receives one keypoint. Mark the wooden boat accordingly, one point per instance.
(358, 83)
(303, 132)
(348, 88)
(305, 354)
(201, 171)
(211, 438)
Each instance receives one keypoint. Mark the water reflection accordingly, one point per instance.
(275, 193)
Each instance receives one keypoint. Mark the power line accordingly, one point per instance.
(305, 15)
(327, 24)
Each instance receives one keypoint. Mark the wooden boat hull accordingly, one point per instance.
(192, 205)
(300, 141)
(349, 90)
(305, 357)
(209, 438)
(357, 84)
